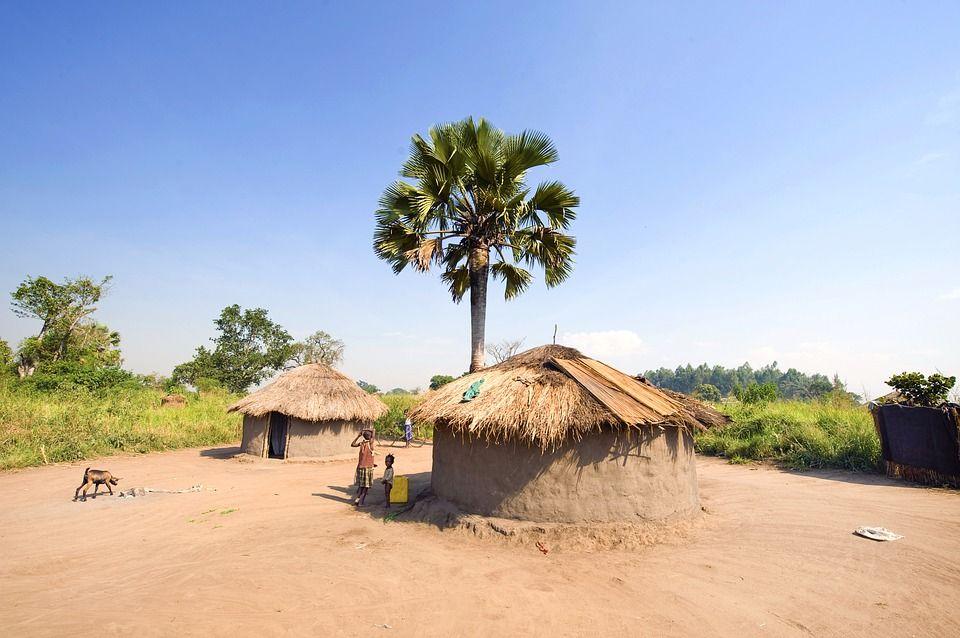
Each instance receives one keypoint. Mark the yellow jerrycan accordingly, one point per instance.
(398, 493)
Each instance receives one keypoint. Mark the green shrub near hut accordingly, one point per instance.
(798, 434)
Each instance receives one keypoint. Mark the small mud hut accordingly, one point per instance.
(554, 436)
(310, 411)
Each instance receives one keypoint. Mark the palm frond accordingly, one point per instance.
(458, 281)
(545, 247)
(527, 150)
(556, 201)
(427, 251)
(482, 146)
(468, 190)
(515, 278)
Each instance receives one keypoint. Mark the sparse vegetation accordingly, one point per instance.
(798, 434)
(504, 350)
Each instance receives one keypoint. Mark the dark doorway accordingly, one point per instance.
(278, 435)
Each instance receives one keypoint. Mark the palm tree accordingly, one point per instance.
(469, 202)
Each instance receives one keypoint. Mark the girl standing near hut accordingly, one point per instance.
(365, 465)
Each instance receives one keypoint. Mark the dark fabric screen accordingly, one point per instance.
(921, 437)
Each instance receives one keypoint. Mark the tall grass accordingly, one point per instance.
(797, 434)
(43, 427)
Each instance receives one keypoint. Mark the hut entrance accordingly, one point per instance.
(278, 435)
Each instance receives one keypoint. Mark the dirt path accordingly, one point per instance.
(276, 550)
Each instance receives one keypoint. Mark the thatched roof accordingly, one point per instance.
(313, 392)
(546, 395)
(705, 416)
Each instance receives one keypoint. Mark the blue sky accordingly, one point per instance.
(759, 182)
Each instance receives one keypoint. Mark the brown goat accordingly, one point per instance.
(95, 478)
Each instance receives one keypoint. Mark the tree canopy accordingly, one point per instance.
(248, 348)
(918, 390)
(468, 201)
(440, 380)
(319, 347)
(66, 332)
(368, 387)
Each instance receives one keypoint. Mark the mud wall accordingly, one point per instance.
(254, 434)
(647, 474)
(328, 438)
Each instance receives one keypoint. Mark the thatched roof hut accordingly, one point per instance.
(310, 411)
(556, 436)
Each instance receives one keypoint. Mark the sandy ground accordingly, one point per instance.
(276, 550)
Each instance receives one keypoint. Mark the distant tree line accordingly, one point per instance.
(705, 380)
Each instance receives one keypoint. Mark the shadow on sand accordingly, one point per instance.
(855, 477)
(222, 452)
(376, 499)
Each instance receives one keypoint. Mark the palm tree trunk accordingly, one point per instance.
(479, 274)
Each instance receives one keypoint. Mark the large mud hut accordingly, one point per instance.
(310, 411)
(554, 436)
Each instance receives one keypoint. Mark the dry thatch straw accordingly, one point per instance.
(546, 395)
(314, 392)
(705, 416)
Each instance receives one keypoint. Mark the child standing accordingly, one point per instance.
(387, 479)
(365, 465)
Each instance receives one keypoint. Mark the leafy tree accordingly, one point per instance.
(470, 200)
(922, 391)
(61, 309)
(94, 344)
(319, 347)
(707, 392)
(504, 350)
(248, 349)
(439, 380)
(368, 387)
(202, 366)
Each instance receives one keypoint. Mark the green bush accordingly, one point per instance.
(72, 375)
(707, 392)
(391, 424)
(797, 434)
(756, 392)
(206, 385)
(440, 380)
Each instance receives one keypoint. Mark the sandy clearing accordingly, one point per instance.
(275, 550)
